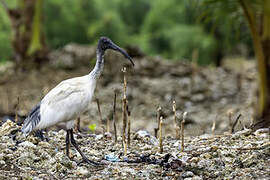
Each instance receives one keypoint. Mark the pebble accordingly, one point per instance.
(142, 134)
(261, 131)
(2, 163)
(187, 174)
(27, 144)
(82, 171)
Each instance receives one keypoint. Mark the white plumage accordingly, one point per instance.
(69, 99)
(66, 102)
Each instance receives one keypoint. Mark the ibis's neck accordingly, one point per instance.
(96, 72)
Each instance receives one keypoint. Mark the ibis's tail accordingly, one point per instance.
(32, 120)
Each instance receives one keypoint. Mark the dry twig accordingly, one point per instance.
(269, 133)
(230, 113)
(107, 124)
(129, 126)
(16, 109)
(114, 117)
(182, 130)
(124, 107)
(160, 135)
(214, 125)
(99, 111)
(176, 124)
(235, 122)
(158, 121)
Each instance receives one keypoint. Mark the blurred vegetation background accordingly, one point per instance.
(200, 31)
(178, 30)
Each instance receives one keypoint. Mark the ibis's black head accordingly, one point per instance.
(105, 43)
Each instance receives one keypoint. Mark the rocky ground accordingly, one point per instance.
(242, 155)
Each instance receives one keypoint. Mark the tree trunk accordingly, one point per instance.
(264, 117)
(260, 31)
(28, 39)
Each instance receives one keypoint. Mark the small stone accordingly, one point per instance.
(37, 178)
(204, 163)
(99, 137)
(206, 155)
(63, 159)
(108, 135)
(205, 136)
(111, 157)
(196, 178)
(33, 139)
(141, 134)
(153, 140)
(44, 144)
(146, 147)
(235, 136)
(82, 171)
(2, 156)
(195, 159)
(176, 144)
(261, 131)
(145, 136)
(244, 132)
(187, 174)
(6, 127)
(27, 144)
(2, 163)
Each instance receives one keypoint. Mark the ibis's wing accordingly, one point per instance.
(64, 101)
(32, 120)
(66, 91)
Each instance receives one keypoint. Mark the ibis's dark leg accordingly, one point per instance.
(73, 142)
(39, 134)
(46, 135)
(67, 144)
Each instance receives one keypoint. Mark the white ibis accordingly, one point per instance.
(70, 98)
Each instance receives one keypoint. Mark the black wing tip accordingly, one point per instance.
(31, 120)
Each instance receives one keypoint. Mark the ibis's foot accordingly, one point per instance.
(73, 142)
(46, 138)
(40, 135)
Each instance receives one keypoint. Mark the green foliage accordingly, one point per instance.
(109, 25)
(68, 20)
(35, 44)
(133, 13)
(185, 40)
(173, 35)
(224, 18)
(5, 36)
(92, 127)
(172, 28)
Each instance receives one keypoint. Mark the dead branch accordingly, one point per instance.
(114, 117)
(235, 122)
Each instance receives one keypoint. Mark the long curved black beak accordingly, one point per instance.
(122, 51)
